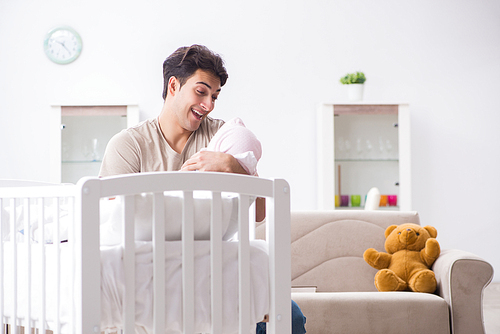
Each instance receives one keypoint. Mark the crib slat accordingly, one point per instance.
(159, 263)
(57, 259)
(278, 237)
(188, 263)
(27, 245)
(43, 299)
(13, 233)
(244, 263)
(129, 264)
(73, 252)
(2, 232)
(216, 262)
(252, 218)
(87, 257)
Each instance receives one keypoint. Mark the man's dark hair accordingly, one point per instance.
(187, 59)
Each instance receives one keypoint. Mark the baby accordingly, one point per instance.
(235, 139)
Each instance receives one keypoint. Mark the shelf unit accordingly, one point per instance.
(371, 144)
(79, 135)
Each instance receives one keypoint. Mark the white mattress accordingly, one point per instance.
(112, 286)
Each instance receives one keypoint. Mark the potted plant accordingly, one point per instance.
(356, 83)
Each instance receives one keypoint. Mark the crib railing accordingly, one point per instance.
(29, 199)
(84, 240)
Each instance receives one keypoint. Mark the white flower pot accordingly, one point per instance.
(355, 92)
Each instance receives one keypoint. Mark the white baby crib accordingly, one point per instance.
(144, 253)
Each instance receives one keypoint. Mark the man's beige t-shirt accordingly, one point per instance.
(143, 148)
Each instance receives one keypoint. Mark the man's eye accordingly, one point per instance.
(200, 92)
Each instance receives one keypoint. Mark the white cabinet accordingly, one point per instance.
(360, 146)
(79, 135)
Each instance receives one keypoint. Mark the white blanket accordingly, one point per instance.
(112, 286)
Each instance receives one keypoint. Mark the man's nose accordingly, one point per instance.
(207, 105)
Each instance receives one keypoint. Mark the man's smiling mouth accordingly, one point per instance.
(197, 114)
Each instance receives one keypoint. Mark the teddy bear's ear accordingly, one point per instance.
(432, 231)
(389, 230)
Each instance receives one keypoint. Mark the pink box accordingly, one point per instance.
(392, 200)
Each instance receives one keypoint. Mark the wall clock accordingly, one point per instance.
(62, 45)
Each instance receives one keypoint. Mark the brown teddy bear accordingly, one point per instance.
(411, 251)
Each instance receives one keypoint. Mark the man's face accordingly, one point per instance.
(196, 99)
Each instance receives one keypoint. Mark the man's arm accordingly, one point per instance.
(260, 209)
(208, 161)
(121, 156)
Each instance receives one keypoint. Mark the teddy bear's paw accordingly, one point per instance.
(370, 255)
(387, 280)
(377, 260)
(423, 281)
(432, 248)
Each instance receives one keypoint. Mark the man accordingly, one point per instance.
(193, 78)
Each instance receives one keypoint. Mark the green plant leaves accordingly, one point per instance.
(353, 78)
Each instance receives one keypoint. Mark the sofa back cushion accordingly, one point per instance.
(328, 246)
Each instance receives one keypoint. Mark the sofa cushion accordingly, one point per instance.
(374, 312)
(327, 247)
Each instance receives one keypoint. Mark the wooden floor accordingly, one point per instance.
(491, 308)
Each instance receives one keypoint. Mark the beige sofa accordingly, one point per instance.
(327, 252)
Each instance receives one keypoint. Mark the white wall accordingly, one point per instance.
(283, 58)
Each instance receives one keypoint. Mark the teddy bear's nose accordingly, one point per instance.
(408, 229)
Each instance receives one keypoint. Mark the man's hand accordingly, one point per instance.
(208, 161)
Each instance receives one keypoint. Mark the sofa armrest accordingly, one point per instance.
(461, 278)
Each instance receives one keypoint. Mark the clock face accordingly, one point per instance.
(62, 45)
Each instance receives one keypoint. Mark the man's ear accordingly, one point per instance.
(173, 85)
